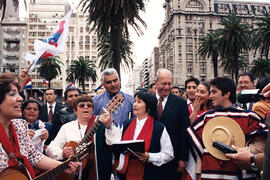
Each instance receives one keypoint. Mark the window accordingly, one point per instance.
(202, 67)
(189, 67)
(194, 5)
(189, 48)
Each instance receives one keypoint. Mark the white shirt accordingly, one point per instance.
(114, 135)
(53, 107)
(68, 132)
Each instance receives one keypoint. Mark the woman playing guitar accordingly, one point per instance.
(73, 132)
(15, 145)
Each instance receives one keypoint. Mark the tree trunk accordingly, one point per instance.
(115, 36)
(83, 86)
(49, 84)
(236, 57)
(215, 64)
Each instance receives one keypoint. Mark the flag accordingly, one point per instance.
(45, 81)
(70, 85)
(99, 87)
(28, 84)
(50, 46)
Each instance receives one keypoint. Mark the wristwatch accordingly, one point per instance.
(252, 163)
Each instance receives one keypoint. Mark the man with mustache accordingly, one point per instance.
(112, 84)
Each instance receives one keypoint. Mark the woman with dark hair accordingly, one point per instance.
(36, 128)
(15, 142)
(202, 102)
(158, 146)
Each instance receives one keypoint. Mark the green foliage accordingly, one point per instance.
(209, 48)
(105, 53)
(50, 68)
(261, 35)
(260, 67)
(82, 70)
(110, 20)
(233, 40)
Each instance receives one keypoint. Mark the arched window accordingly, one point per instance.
(194, 5)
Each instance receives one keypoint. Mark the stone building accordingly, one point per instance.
(13, 39)
(44, 18)
(186, 22)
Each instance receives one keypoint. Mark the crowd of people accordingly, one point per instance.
(178, 127)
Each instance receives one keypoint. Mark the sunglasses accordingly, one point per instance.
(82, 105)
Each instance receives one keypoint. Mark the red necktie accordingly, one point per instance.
(159, 107)
(50, 116)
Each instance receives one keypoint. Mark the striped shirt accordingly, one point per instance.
(213, 168)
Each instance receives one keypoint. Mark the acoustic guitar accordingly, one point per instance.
(14, 174)
(80, 153)
(110, 108)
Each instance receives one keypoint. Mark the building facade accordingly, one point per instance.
(13, 40)
(187, 22)
(44, 18)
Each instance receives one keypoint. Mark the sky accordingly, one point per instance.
(154, 17)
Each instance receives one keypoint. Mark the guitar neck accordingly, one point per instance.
(51, 174)
(87, 137)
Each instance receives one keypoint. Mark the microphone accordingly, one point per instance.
(249, 95)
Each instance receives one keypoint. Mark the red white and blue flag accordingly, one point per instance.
(45, 82)
(70, 85)
(28, 84)
(50, 46)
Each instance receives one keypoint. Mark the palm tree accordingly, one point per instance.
(105, 53)
(230, 65)
(50, 68)
(261, 35)
(260, 67)
(209, 47)
(110, 18)
(233, 40)
(3, 5)
(82, 70)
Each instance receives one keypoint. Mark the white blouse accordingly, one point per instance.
(114, 135)
(68, 132)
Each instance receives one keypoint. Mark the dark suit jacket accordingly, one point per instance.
(44, 111)
(175, 117)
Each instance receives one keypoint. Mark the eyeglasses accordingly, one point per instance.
(82, 105)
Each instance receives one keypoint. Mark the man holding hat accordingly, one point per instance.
(228, 125)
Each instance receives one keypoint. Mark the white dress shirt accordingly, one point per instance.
(114, 135)
(53, 107)
(68, 132)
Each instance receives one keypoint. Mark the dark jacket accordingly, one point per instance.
(63, 116)
(175, 117)
(44, 111)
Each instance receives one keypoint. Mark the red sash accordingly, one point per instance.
(13, 147)
(133, 167)
(90, 123)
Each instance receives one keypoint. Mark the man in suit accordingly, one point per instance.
(49, 109)
(175, 116)
(245, 81)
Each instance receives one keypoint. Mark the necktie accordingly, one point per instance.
(50, 116)
(159, 107)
